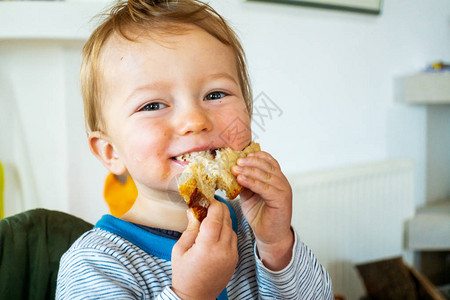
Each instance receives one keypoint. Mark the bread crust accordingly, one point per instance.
(206, 173)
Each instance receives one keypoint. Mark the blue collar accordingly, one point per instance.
(151, 243)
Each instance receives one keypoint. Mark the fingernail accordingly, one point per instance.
(238, 169)
(241, 161)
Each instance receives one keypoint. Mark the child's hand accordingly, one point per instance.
(204, 258)
(267, 206)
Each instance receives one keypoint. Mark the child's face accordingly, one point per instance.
(164, 98)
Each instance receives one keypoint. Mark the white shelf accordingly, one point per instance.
(430, 228)
(428, 88)
(47, 19)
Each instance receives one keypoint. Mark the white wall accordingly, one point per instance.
(334, 76)
(43, 142)
(331, 73)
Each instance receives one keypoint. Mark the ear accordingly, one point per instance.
(105, 151)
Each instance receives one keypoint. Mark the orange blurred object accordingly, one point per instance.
(120, 193)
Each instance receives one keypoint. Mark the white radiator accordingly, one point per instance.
(354, 215)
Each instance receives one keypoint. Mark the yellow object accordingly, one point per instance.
(437, 65)
(2, 188)
(119, 196)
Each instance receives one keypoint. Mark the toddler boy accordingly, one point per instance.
(161, 79)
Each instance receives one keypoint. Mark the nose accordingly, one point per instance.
(193, 119)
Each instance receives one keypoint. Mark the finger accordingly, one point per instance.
(257, 174)
(211, 227)
(226, 216)
(251, 174)
(266, 156)
(257, 161)
(259, 166)
(227, 229)
(189, 236)
(228, 238)
(265, 189)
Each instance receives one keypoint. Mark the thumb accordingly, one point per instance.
(188, 237)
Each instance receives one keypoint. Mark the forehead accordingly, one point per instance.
(192, 50)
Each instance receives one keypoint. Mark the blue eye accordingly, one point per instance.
(215, 95)
(152, 106)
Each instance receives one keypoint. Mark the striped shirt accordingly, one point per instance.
(119, 260)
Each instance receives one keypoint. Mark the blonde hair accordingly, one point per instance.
(149, 16)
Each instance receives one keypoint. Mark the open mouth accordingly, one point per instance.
(190, 157)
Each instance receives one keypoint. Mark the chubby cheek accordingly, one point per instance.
(146, 154)
(235, 129)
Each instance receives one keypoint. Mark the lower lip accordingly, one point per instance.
(181, 163)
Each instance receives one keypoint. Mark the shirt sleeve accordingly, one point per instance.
(303, 278)
(93, 274)
(167, 294)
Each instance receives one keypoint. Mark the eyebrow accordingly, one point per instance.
(150, 86)
(167, 84)
(222, 74)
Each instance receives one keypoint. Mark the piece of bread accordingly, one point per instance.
(208, 171)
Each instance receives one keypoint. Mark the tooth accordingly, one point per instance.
(193, 156)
